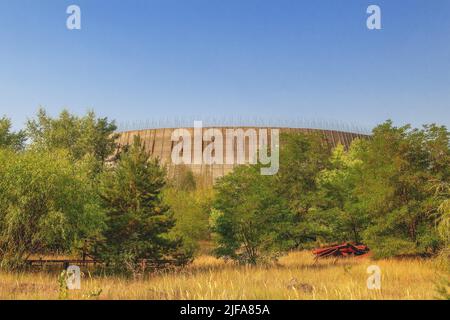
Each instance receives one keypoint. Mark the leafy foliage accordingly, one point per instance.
(191, 210)
(8, 139)
(249, 217)
(390, 191)
(399, 167)
(381, 191)
(81, 136)
(47, 204)
(303, 156)
(183, 179)
(339, 206)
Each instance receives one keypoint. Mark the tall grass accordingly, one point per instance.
(296, 276)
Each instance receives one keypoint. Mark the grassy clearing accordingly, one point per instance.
(294, 277)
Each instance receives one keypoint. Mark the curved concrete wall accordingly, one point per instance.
(158, 143)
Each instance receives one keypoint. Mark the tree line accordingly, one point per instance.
(390, 191)
(66, 187)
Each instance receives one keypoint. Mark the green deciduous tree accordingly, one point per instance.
(191, 210)
(47, 204)
(257, 216)
(8, 139)
(249, 218)
(302, 158)
(400, 166)
(339, 207)
(81, 136)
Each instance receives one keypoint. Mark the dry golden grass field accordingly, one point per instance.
(294, 277)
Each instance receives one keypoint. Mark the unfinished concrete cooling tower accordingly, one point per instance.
(158, 143)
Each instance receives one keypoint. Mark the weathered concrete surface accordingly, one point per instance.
(159, 144)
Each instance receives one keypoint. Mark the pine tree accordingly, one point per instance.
(138, 222)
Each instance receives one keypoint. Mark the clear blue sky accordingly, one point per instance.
(152, 59)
